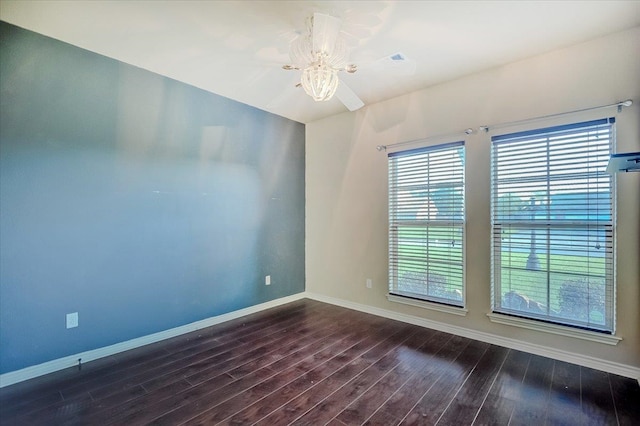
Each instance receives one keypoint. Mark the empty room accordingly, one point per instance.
(319, 212)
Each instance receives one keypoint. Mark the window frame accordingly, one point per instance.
(415, 299)
(604, 334)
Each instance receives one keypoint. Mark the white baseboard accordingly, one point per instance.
(571, 357)
(27, 373)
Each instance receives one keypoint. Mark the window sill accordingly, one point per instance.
(555, 329)
(428, 305)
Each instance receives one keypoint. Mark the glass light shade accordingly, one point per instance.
(325, 31)
(339, 55)
(320, 81)
(303, 54)
(301, 51)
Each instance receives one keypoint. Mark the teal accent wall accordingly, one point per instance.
(140, 202)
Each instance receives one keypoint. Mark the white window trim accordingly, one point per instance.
(565, 330)
(427, 304)
(561, 330)
(455, 310)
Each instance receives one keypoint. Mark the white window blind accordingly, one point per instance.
(426, 223)
(552, 221)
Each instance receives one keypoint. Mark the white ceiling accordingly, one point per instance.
(236, 48)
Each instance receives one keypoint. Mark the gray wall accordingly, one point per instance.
(140, 202)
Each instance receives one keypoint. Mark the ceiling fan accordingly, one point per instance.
(321, 52)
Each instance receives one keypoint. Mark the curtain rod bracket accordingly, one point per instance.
(626, 103)
(381, 147)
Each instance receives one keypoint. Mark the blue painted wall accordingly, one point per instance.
(140, 202)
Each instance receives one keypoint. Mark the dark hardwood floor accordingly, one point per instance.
(309, 363)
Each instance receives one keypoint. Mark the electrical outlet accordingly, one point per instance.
(267, 280)
(369, 283)
(72, 320)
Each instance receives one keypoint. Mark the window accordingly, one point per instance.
(552, 221)
(426, 224)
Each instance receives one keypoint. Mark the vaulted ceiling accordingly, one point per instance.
(237, 48)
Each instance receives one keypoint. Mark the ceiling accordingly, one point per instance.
(237, 48)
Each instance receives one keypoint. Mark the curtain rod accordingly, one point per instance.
(448, 135)
(486, 128)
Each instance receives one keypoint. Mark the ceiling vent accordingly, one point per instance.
(398, 57)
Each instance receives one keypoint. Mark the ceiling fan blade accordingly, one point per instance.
(348, 97)
(325, 32)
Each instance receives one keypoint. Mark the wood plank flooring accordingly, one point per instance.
(309, 363)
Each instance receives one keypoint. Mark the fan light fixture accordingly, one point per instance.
(320, 81)
(321, 52)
